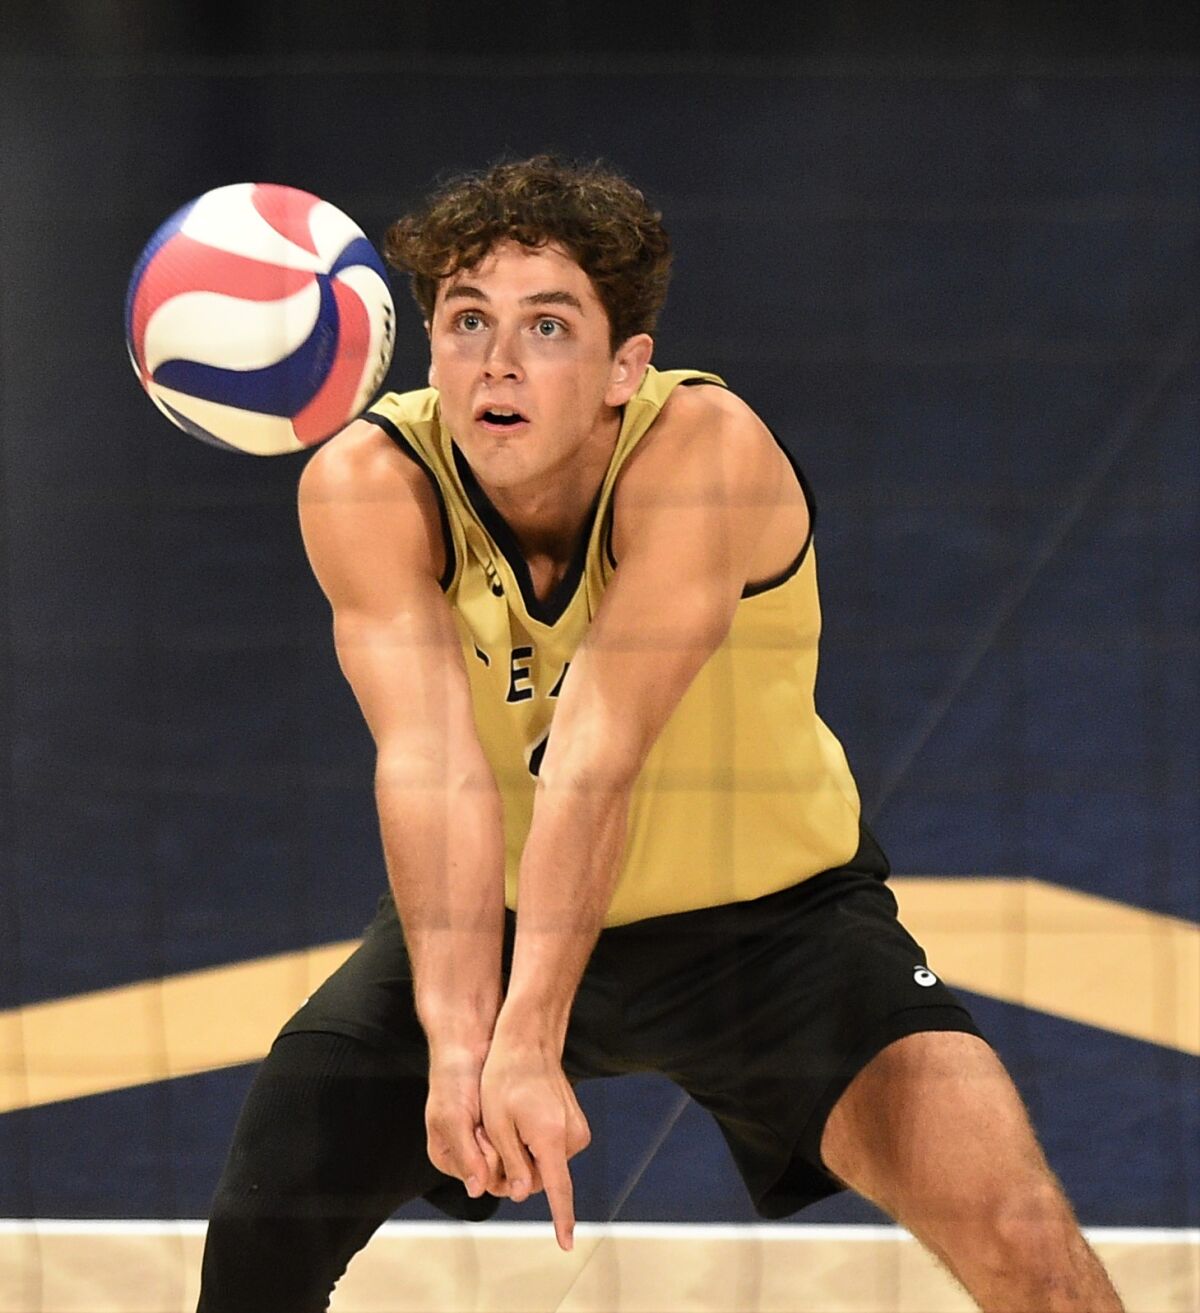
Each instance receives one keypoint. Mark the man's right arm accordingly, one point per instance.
(371, 524)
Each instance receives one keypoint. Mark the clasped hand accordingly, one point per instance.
(508, 1125)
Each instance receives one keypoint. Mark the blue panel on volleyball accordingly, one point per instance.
(279, 389)
(359, 251)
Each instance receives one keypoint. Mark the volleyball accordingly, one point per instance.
(259, 318)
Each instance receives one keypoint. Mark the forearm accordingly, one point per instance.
(569, 868)
(443, 842)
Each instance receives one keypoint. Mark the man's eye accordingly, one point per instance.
(470, 321)
(549, 328)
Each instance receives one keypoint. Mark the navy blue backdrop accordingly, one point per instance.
(966, 297)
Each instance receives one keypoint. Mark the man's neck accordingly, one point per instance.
(547, 518)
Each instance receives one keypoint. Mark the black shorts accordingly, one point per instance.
(762, 1011)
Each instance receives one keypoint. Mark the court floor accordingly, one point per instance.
(90, 1267)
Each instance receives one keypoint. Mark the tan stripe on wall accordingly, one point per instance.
(1088, 959)
(156, 1030)
(1074, 955)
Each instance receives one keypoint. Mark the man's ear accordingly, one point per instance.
(628, 368)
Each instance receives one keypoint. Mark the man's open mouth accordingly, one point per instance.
(502, 417)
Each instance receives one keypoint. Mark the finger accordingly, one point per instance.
(517, 1167)
(560, 1192)
(495, 1182)
(458, 1154)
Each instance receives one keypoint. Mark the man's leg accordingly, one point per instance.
(933, 1131)
(330, 1142)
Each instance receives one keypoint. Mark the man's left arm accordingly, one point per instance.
(689, 513)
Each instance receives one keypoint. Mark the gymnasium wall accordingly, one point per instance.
(955, 268)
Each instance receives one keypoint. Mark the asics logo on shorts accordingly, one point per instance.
(923, 976)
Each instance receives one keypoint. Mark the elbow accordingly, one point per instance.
(608, 770)
(416, 769)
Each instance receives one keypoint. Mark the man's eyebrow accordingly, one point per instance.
(468, 292)
(553, 298)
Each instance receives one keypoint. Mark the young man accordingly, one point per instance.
(576, 600)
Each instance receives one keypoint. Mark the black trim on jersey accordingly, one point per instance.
(405, 446)
(753, 590)
(550, 611)
(750, 590)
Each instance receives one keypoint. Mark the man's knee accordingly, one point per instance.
(330, 1142)
(1025, 1225)
(268, 1251)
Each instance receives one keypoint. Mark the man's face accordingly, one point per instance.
(520, 353)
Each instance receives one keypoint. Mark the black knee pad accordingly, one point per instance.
(330, 1142)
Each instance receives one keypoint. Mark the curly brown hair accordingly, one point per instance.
(594, 214)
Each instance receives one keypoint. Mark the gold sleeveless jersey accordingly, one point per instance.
(745, 792)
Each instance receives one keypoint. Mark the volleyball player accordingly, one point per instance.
(576, 600)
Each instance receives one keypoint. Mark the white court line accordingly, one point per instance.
(796, 1231)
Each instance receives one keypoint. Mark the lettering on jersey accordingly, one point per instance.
(554, 692)
(493, 579)
(482, 655)
(536, 753)
(520, 682)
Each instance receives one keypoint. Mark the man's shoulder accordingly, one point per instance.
(699, 397)
(700, 423)
(365, 465)
(370, 518)
(410, 409)
(707, 464)
(710, 466)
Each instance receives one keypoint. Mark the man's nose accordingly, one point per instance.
(503, 358)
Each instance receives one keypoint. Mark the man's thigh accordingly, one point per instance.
(330, 1126)
(764, 1012)
(370, 997)
(933, 1130)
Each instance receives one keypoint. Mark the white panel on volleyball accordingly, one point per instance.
(376, 299)
(258, 434)
(227, 220)
(332, 231)
(228, 332)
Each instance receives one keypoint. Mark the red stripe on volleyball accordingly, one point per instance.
(287, 211)
(331, 407)
(186, 265)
